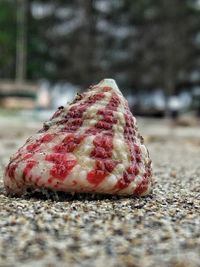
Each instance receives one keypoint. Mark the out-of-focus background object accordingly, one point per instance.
(51, 49)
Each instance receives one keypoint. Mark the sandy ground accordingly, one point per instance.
(162, 229)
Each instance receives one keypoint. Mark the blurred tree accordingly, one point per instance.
(21, 42)
(7, 38)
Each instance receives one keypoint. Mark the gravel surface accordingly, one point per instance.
(162, 229)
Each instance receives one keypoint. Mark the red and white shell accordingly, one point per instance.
(91, 145)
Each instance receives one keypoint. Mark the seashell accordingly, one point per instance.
(90, 146)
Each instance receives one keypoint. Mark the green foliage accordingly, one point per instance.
(7, 38)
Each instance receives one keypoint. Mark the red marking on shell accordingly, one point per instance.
(29, 166)
(107, 88)
(133, 170)
(103, 125)
(27, 156)
(37, 179)
(143, 186)
(61, 165)
(44, 139)
(69, 143)
(121, 184)
(50, 180)
(73, 120)
(33, 147)
(10, 170)
(47, 138)
(104, 141)
(96, 176)
(103, 144)
(12, 166)
(74, 183)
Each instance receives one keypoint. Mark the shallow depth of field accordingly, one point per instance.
(52, 50)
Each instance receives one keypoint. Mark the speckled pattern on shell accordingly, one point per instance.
(89, 146)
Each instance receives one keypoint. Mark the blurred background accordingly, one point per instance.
(52, 49)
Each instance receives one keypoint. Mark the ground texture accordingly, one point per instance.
(162, 229)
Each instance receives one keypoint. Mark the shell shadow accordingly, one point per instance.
(47, 194)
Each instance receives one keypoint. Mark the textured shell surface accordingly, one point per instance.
(90, 146)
